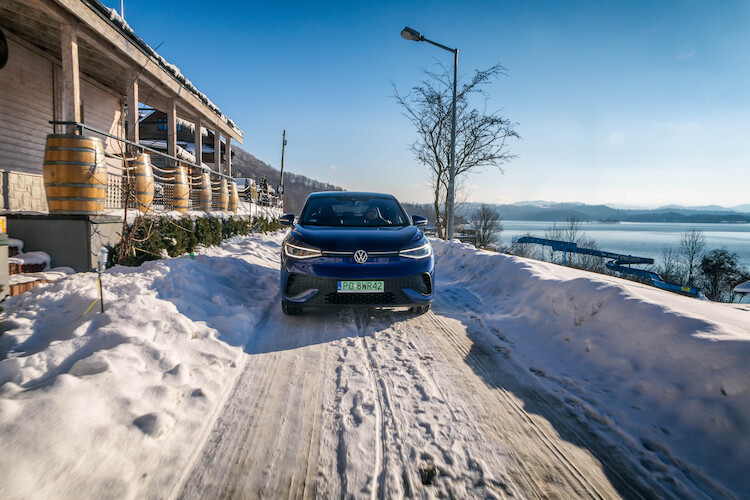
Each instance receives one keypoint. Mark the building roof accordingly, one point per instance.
(108, 50)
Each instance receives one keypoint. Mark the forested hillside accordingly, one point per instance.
(296, 187)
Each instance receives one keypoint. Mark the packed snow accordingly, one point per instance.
(124, 403)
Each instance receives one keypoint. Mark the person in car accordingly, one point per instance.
(373, 216)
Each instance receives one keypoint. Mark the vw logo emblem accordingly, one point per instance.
(360, 256)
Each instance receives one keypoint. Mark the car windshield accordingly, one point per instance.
(353, 211)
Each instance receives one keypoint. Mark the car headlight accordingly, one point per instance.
(420, 252)
(298, 252)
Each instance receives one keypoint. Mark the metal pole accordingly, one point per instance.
(414, 35)
(283, 145)
(452, 173)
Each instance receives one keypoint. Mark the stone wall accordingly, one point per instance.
(23, 192)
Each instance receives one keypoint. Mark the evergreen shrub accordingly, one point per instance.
(162, 237)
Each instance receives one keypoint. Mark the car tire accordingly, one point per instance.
(421, 309)
(291, 309)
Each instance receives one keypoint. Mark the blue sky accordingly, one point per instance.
(628, 103)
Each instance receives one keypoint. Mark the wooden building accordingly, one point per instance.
(77, 61)
(152, 128)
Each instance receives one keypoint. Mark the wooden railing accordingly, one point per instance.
(180, 185)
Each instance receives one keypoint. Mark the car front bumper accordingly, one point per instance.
(314, 282)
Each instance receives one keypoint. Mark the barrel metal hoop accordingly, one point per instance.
(66, 148)
(99, 164)
(76, 212)
(77, 185)
(74, 198)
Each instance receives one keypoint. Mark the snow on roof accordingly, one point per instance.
(30, 258)
(51, 275)
(158, 144)
(15, 243)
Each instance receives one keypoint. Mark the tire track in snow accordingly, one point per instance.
(265, 442)
(429, 449)
(377, 477)
(353, 418)
(388, 427)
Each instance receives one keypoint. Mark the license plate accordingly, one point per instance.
(360, 287)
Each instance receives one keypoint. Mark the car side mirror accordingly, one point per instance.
(418, 220)
(287, 220)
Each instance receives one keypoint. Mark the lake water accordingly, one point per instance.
(643, 239)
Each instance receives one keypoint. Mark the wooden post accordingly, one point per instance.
(198, 143)
(172, 128)
(217, 151)
(71, 84)
(229, 156)
(132, 99)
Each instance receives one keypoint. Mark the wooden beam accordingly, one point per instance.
(71, 84)
(132, 100)
(50, 9)
(172, 128)
(229, 156)
(122, 46)
(217, 151)
(198, 142)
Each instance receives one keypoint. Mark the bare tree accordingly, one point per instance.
(570, 231)
(487, 225)
(692, 244)
(481, 137)
(670, 264)
(527, 250)
(589, 262)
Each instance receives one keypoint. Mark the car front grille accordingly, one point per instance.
(392, 294)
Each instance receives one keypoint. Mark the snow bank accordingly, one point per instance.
(671, 371)
(110, 405)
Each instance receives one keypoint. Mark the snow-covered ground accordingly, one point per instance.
(136, 402)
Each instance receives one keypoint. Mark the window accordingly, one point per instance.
(354, 211)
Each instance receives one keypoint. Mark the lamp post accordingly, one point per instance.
(280, 189)
(414, 35)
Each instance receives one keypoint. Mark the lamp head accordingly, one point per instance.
(410, 34)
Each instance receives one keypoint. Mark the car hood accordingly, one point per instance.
(336, 239)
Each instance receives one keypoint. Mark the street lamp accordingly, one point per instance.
(415, 36)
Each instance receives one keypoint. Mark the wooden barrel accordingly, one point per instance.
(75, 174)
(180, 190)
(204, 193)
(234, 197)
(223, 196)
(144, 182)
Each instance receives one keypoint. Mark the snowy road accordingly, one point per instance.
(386, 404)
(526, 380)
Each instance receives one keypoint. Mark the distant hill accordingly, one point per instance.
(296, 187)
(560, 212)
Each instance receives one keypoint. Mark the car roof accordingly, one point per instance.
(353, 194)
